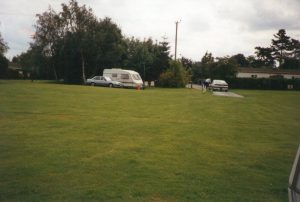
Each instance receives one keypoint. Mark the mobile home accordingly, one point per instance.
(129, 78)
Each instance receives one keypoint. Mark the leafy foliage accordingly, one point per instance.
(275, 83)
(284, 50)
(241, 60)
(265, 57)
(3, 66)
(219, 68)
(3, 59)
(74, 44)
(3, 45)
(74, 40)
(175, 77)
(187, 63)
(224, 68)
(146, 57)
(280, 46)
(207, 58)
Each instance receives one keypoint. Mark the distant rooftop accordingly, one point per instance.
(14, 66)
(268, 70)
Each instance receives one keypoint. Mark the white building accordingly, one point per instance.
(267, 73)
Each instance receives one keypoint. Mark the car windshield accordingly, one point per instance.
(219, 82)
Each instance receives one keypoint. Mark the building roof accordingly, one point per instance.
(269, 71)
(121, 70)
(14, 66)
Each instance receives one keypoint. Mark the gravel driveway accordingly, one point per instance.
(227, 94)
(217, 93)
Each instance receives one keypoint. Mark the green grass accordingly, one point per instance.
(81, 143)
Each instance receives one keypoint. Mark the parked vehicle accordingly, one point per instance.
(103, 81)
(220, 85)
(129, 78)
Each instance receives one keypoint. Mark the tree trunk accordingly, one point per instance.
(83, 68)
(55, 73)
(280, 60)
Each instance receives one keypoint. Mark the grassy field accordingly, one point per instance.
(81, 143)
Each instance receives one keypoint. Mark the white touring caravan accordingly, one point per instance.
(129, 78)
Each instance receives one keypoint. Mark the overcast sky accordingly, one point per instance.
(223, 27)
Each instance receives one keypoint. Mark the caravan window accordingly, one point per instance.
(114, 75)
(136, 77)
(124, 76)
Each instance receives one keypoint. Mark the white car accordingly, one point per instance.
(103, 81)
(220, 85)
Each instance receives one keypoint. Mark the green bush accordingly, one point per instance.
(263, 83)
(174, 77)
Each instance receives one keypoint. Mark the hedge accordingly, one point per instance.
(264, 83)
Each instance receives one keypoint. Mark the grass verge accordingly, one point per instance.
(73, 143)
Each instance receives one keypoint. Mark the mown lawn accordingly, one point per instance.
(81, 143)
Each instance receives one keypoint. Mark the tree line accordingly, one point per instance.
(283, 53)
(73, 44)
(284, 50)
(3, 60)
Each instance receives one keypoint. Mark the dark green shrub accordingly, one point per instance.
(263, 83)
(3, 66)
(174, 77)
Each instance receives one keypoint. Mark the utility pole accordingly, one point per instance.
(144, 62)
(176, 39)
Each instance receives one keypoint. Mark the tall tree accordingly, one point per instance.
(225, 67)
(33, 61)
(146, 57)
(3, 59)
(139, 56)
(197, 72)
(265, 57)
(3, 66)
(207, 62)
(76, 34)
(3, 45)
(187, 63)
(292, 58)
(207, 58)
(175, 76)
(284, 50)
(48, 35)
(219, 68)
(161, 60)
(241, 60)
(111, 42)
(254, 62)
(78, 20)
(295, 49)
(104, 46)
(280, 46)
